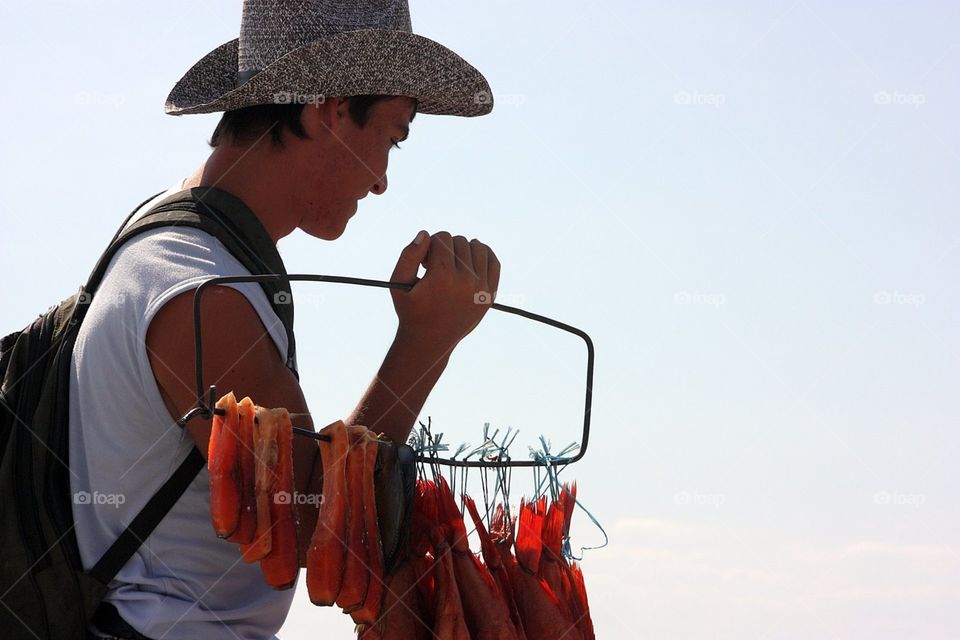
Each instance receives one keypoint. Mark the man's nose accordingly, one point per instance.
(380, 186)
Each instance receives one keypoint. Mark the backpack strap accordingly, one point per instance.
(126, 220)
(147, 520)
(228, 219)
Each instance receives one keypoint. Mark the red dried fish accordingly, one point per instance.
(550, 558)
(449, 623)
(485, 609)
(582, 607)
(529, 542)
(353, 589)
(539, 607)
(265, 455)
(248, 500)
(326, 555)
(373, 601)
(495, 565)
(281, 565)
(224, 468)
(405, 615)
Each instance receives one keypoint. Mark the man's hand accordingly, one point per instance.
(456, 291)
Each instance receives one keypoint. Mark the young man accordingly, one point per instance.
(349, 78)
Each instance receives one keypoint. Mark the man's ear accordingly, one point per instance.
(319, 119)
(343, 107)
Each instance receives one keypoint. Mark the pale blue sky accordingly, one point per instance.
(751, 207)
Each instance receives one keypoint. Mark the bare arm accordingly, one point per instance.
(240, 356)
(440, 310)
(393, 400)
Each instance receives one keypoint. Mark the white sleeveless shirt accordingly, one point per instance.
(183, 582)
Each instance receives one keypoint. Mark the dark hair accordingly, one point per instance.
(246, 125)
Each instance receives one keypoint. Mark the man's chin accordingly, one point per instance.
(329, 224)
(325, 233)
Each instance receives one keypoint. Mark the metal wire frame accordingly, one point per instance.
(206, 401)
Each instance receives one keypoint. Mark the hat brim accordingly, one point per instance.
(370, 61)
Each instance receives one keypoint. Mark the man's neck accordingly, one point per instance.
(241, 175)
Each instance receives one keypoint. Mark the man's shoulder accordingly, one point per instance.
(169, 254)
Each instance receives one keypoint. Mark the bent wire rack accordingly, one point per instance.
(206, 401)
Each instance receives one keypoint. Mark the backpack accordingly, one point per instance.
(44, 590)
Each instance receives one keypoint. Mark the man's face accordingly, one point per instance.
(346, 161)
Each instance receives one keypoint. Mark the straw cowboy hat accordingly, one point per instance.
(304, 50)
